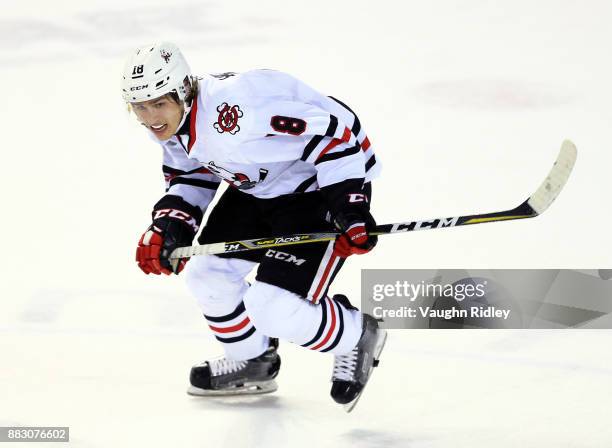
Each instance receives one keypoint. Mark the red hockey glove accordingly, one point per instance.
(147, 253)
(171, 228)
(350, 213)
(355, 241)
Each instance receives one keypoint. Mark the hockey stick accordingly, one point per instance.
(535, 205)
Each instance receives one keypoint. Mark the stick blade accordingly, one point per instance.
(556, 179)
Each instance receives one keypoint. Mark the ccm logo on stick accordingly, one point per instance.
(283, 256)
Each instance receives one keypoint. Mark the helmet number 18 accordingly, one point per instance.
(138, 70)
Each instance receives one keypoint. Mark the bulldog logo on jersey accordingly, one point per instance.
(237, 180)
(227, 121)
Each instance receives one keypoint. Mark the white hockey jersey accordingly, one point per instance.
(267, 134)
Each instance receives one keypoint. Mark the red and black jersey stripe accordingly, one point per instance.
(356, 127)
(174, 176)
(316, 140)
(337, 155)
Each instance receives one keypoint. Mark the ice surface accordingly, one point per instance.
(456, 96)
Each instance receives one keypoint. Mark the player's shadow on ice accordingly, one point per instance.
(365, 438)
(250, 402)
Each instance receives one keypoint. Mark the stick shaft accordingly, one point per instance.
(535, 205)
(521, 212)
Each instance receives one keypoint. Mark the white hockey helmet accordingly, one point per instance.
(154, 70)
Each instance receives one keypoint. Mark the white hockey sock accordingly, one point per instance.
(218, 284)
(327, 326)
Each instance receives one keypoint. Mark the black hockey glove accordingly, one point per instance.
(175, 224)
(349, 206)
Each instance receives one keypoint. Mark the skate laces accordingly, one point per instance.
(344, 366)
(223, 366)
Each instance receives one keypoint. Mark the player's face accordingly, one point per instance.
(161, 116)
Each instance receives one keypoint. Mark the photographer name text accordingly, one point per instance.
(447, 314)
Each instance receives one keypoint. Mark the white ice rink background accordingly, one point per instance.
(467, 104)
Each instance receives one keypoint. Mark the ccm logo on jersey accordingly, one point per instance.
(176, 214)
(357, 197)
(283, 256)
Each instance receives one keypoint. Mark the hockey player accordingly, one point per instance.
(296, 161)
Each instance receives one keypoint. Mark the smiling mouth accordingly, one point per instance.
(160, 128)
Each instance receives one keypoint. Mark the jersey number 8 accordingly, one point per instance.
(288, 125)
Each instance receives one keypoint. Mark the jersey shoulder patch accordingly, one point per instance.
(228, 117)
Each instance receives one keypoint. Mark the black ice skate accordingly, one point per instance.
(352, 371)
(223, 377)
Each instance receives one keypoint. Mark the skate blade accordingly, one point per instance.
(254, 388)
(348, 407)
